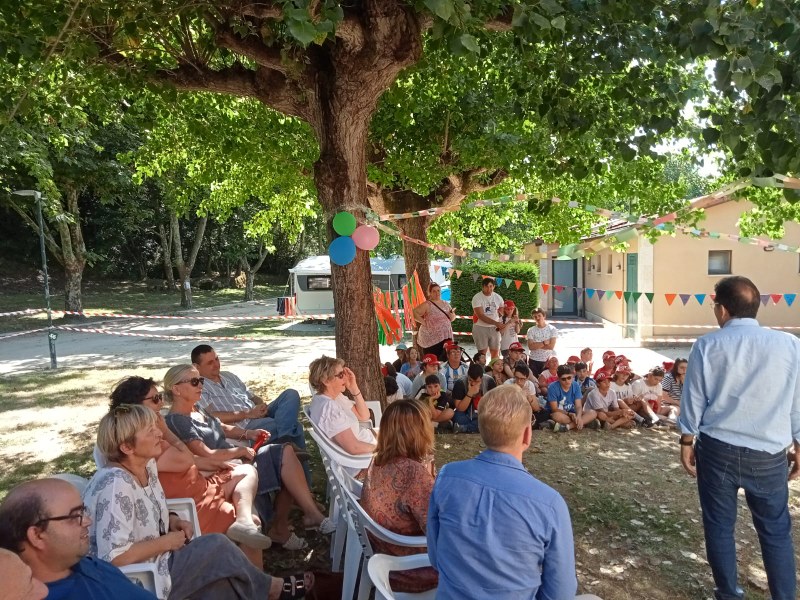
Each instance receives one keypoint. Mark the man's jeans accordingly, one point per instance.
(721, 470)
(282, 419)
(467, 421)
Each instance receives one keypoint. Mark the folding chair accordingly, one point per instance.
(379, 567)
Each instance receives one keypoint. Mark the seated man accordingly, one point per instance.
(586, 382)
(649, 389)
(467, 394)
(430, 366)
(566, 402)
(603, 401)
(494, 530)
(403, 382)
(541, 414)
(441, 401)
(227, 398)
(45, 522)
(18, 580)
(453, 369)
(609, 364)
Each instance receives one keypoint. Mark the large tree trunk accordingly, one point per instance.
(73, 252)
(250, 272)
(415, 255)
(166, 251)
(185, 266)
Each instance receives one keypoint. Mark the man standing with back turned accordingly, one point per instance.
(740, 411)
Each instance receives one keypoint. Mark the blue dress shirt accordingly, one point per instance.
(95, 579)
(495, 531)
(742, 387)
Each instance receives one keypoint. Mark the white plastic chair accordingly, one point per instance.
(377, 411)
(379, 567)
(358, 550)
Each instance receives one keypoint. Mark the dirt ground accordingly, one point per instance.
(635, 512)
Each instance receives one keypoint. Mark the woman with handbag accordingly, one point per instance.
(435, 318)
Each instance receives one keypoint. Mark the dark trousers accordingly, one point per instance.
(721, 470)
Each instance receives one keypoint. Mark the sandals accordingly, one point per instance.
(295, 586)
(248, 536)
(325, 528)
(293, 542)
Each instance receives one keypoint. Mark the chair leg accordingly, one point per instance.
(352, 560)
(337, 548)
(365, 584)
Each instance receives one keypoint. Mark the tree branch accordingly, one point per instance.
(251, 48)
(259, 10)
(49, 240)
(198, 241)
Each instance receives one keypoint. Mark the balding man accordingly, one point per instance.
(18, 580)
(740, 413)
(46, 523)
(488, 515)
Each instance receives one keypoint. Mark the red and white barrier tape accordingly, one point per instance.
(19, 313)
(194, 317)
(19, 333)
(238, 338)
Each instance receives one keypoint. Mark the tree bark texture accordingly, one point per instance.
(166, 255)
(73, 252)
(415, 255)
(185, 266)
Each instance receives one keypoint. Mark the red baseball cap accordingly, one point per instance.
(573, 359)
(451, 346)
(430, 359)
(516, 346)
(509, 304)
(622, 359)
(624, 369)
(608, 354)
(601, 376)
(668, 364)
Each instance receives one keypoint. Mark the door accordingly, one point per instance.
(631, 285)
(565, 276)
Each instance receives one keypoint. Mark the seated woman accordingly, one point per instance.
(497, 371)
(550, 373)
(335, 414)
(130, 522)
(398, 486)
(277, 465)
(412, 367)
(224, 496)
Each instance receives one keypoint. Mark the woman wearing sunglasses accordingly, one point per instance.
(223, 492)
(131, 522)
(335, 414)
(278, 467)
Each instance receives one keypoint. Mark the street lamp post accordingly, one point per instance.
(51, 333)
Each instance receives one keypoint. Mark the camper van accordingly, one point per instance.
(310, 280)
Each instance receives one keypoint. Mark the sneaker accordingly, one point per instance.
(659, 423)
(456, 427)
(559, 428)
(595, 424)
(646, 424)
(549, 424)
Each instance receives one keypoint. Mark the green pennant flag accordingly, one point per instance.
(650, 296)
(636, 296)
(627, 296)
(609, 293)
(508, 282)
(531, 285)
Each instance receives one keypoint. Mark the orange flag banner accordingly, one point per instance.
(670, 298)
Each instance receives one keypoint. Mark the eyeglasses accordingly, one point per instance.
(155, 398)
(74, 514)
(194, 381)
(566, 378)
(340, 375)
(520, 379)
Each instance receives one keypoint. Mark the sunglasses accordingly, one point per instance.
(77, 513)
(194, 381)
(566, 378)
(155, 398)
(340, 375)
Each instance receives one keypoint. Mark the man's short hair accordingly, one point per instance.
(475, 371)
(538, 311)
(21, 509)
(739, 296)
(504, 413)
(198, 351)
(390, 383)
(523, 369)
(581, 366)
(431, 379)
(564, 370)
(477, 356)
(486, 281)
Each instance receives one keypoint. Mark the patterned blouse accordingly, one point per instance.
(396, 495)
(436, 325)
(123, 513)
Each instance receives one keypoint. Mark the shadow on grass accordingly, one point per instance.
(79, 462)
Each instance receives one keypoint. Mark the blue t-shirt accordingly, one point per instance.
(565, 400)
(95, 579)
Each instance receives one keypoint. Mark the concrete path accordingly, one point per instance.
(294, 353)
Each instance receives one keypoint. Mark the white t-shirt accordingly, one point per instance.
(529, 389)
(541, 334)
(596, 401)
(508, 337)
(648, 392)
(622, 391)
(335, 415)
(490, 305)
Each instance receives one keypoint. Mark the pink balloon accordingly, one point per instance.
(366, 237)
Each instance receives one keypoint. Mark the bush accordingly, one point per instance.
(464, 288)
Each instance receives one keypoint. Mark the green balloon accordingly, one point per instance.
(344, 223)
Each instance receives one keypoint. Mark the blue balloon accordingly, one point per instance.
(342, 250)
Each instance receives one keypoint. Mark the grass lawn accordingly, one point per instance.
(635, 513)
(121, 297)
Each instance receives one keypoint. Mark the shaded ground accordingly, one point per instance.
(635, 513)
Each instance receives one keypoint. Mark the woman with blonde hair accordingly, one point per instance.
(130, 522)
(223, 492)
(398, 485)
(278, 467)
(346, 422)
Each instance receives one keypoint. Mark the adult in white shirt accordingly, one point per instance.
(335, 414)
(541, 341)
(486, 316)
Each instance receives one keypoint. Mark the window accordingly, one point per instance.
(319, 283)
(599, 263)
(610, 263)
(719, 262)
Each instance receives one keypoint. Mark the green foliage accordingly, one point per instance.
(463, 288)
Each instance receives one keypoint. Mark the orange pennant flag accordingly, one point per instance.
(545, 287)
(436, 268)
(670, 298)
(618, 294)
(517, 283)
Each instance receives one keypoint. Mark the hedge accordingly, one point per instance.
(462, 289)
